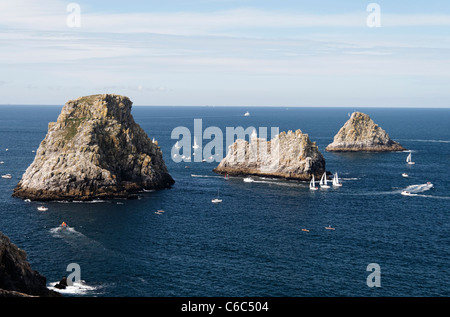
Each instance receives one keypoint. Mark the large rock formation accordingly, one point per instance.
(289, 155)
(94, 150)
(17, 279)
(360, 133)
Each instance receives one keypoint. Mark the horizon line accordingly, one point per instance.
(250, 106)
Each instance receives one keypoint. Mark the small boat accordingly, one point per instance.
(7, 176)
(329, 228)
(336, 181)
(64, 225)
(409, 159)
(323, 181)
(312, 184)
(42, 208)
(159, 212)
(305, 230)
(248, 180)
(406, 193)
(226, 176)
(196, 146)
(405, 175)
(2, 162)
(247, 114)
(216, 200)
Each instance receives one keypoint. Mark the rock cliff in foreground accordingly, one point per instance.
(17, 279)
(94, 150)
(360, 133)
(289, 155)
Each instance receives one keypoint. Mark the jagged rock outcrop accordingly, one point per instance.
(94, 150)
(289, 155)
(360, 133)
(17, 279)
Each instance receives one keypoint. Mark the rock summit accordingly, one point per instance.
(361, 133)
(94, 150)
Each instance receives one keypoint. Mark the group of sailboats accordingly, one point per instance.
(324, 182)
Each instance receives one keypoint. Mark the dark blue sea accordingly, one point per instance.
(252, 244)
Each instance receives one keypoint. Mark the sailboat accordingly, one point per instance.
(216, 200)
(247, 114)
(323, 181)
(409, 160)
(196, 146)
(312, 184)
(336, 181)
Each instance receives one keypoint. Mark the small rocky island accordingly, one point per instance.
(95, 150)
(17, 278)
(289, 155)
(361, 134)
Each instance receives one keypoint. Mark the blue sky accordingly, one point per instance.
(227, 52)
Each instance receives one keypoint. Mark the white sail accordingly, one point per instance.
(336, 180)
(409, 159)
(312, 184)
(195, 144)
(323, 181)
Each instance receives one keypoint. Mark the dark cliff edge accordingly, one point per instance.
(17, 278)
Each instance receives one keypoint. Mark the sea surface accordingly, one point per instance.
(251, 244)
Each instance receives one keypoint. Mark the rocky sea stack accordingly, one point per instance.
(95, 150)
(361, 134)
(289, 155)
(17, 279)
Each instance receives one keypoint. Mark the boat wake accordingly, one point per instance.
(78, 288)
(277, 182)
(62, 232)
(428, 141)
(75, 238)
(417, 190)
(206, 176)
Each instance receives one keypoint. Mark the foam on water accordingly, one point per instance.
(77, 288)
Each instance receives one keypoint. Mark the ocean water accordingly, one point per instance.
(252, 243)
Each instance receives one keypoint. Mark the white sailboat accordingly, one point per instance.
(409, 160)
(336, 181)
(323, 181)
(247, 114)
(312, 184)
(196, 146)
(216, 200)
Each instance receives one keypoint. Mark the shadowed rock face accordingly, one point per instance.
(94, 150)
(360, 133)
(289, 155)
(17, 279)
